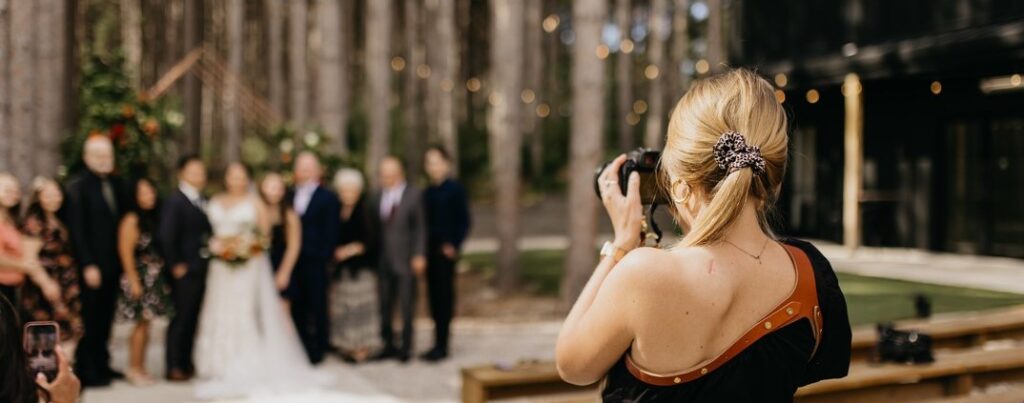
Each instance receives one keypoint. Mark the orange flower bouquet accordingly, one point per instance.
(238, 249)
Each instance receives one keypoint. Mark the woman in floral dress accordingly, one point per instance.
(146, 294)
(56, 257)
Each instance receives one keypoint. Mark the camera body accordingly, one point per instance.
(643, 161)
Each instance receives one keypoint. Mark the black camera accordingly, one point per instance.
(645, 162)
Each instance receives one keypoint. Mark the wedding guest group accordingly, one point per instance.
(258, 284)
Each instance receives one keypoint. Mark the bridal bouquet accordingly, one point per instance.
(238, 249)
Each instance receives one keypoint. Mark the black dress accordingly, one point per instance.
(357, 228)
(768, 370)
(278, 245)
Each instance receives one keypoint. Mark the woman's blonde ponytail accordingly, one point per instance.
(726, 140)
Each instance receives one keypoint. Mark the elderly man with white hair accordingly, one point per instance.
(355, 320)
(96, 200)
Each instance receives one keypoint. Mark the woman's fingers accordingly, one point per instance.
(611, 172)
(609, 179)
(633, 191)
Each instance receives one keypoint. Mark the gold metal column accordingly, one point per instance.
(853, 135)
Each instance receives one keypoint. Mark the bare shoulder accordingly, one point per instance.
(659, 268)
(130, 219)
(654, 274)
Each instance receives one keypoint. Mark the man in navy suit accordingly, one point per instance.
(448, 220)
(307, 291)
(184, 230)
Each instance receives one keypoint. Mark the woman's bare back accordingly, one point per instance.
(704, 300)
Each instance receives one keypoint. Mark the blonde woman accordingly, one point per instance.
(731, 313)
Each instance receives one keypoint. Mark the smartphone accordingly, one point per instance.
(41, 340)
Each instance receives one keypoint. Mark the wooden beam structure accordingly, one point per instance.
(853, 135)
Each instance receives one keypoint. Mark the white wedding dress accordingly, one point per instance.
(246, 344)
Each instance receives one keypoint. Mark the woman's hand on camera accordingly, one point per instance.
(626, 212)
(66, 387)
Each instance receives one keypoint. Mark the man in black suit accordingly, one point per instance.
(319, 210)
(402, 253)
(184, 231)
(447, 209)
(96, 201)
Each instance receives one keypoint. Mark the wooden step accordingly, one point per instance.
(953, 331)
(1009, 393)
(952, 374)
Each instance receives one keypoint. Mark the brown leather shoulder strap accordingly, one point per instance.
(802, 303)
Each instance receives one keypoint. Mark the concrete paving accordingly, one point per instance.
(474, 343)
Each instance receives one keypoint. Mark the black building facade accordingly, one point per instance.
(942, 130)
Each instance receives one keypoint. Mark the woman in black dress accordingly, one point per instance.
(285, 233)
(145, 293)
(731, 313)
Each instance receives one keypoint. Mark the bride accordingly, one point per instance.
(246, 345)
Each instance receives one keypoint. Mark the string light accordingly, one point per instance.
(626, 46)
(423, 71)
(1015, 80)
(813, 96)
(473, 84)
(447, 85)
(543, 110)
(633, 119)
(551, 23)
(781, 80)
(397, 63)
(780, 96)
(936, 87)
(602, 51)
(527, 96)
(702, 66)
(639, 107)
(651, 72)
(494, 99)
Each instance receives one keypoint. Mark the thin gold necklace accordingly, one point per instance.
(756, 257)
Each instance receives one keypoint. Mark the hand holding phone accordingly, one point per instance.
(66, 388)
(40, 341)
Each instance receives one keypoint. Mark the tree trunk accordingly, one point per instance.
(534, 53)
(131, 38)
(447, 70)
(716, 41)
(275, 69)
(298, 78)
(23, 75)
(506, 137)
(5, 95)
(680, 47)
(624, 77)
(585, 145)
(415, 55)
(192, 102)
(332, 75)
(51, 87)
(233, 83)
(655, 130)
(378, 76)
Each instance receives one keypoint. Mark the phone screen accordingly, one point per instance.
(41, 340)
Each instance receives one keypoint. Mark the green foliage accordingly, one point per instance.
(276, 152)
(110, 107)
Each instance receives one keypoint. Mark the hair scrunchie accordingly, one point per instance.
(732, 153)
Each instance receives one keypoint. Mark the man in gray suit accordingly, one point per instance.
(402, 253)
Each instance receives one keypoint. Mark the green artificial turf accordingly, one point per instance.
(869, 299)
